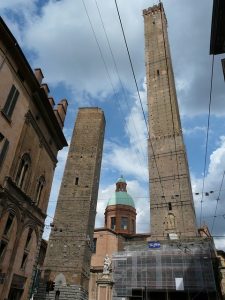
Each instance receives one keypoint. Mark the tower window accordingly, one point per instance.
(8, 224)
(94, 245)
(158, 73)
(124, 223)
(11, 101)
(170, 205)
(113, 223)
(76, 180)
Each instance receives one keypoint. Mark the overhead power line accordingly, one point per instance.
(105, 66)
(138, 92)
(207, 137)
(217, 201)
(117, 71)
(132, 68)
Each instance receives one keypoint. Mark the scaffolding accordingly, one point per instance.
(170, 266)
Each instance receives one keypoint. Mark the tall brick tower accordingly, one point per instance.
(171, 209)
(69, 249)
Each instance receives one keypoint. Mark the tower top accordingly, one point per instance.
(155, 9)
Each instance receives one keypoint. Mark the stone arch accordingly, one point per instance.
(60, 279)
(25, 248)
(23, 171)
(14, 211)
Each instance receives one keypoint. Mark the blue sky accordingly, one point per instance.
(57, 36)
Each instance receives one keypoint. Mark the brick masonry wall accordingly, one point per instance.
(172, 208)
(69, 248)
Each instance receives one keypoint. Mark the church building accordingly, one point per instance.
(119, 228)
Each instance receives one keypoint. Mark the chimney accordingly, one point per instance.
(51, 100)
(60, 112)
(39, 75)
(44, 86)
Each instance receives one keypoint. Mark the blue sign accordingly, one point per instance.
(153, 245)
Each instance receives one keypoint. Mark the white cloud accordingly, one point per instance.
(130, 159)
(65, 48)
(213, 182)
(194, 130)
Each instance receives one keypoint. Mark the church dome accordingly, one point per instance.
(121, 196)
(121, 179)
(120, 213)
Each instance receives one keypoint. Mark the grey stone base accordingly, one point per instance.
(71, 292)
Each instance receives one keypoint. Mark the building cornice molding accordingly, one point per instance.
(22, 200)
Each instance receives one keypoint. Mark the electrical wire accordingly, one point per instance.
(116, 68)
(207, 138)
(138, 92)
(217, 201)
(104, 62)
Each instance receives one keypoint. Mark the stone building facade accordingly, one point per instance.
(171, 201)
(68, 256)
(30, 138)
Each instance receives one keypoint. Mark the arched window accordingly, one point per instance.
(39, 189)
(22, 172)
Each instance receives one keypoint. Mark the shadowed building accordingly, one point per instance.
(171, 201)
(30, 137)
(68, 256)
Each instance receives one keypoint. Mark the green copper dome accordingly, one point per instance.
(121, 198)
(121, 179)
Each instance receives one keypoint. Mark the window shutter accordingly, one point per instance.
(4, 151)
(11, 101)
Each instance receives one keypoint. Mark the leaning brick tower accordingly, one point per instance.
(171, 201)
(69, 250)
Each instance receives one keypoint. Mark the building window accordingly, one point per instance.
(11, 101)
(29, 235)
(40, 186)
(133, 226)
(8, 224)
(24, 260)
(170, 205)
(76, 180)
(94, 245)
(124, 223)
(4, 144)
(23, 170)
(113, 223)
(3, 245)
